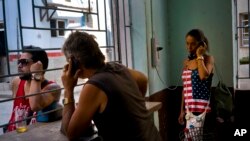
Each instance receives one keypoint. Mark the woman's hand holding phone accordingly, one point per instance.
(75, 65)
(201, 50)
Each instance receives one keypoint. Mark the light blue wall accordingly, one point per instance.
(138, 35)
(214, 17)
(172, 19)
(1, 10)
(11, 23)
(142, 32)
(30, 36)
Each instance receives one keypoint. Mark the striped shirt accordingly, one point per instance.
(196, 92)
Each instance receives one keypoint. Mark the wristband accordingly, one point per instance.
(66, 101)
(200, 58)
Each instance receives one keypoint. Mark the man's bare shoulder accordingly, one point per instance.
(14, 85)
(15, 82)
(52, 86)
(137, 74)
(53, 90)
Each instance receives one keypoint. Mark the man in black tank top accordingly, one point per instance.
(113, 96)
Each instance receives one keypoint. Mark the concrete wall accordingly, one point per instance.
(11, 23)
(172, 19)
(242, 8)
(168, 22)
(215, 19)
(35, 37)
(1, 10)
(30, 36)
(143, 29)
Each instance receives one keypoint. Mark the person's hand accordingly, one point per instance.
(181, 118)
(38, 66)
(201, 50)
(69, 80)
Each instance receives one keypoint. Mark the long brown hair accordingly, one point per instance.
(199, 36)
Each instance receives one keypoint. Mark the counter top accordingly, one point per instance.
(44, 131)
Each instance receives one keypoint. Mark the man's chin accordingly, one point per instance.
(25, 77)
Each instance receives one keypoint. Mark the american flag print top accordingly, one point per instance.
(196, 92)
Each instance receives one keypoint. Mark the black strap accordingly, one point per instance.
(192, 56)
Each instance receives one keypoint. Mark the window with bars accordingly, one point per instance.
(244, 30)
(57, 24)
(109, 23)
(61, 24)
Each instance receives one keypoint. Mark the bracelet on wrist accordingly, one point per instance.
(37, 76)
(66, 101)
(200, 58)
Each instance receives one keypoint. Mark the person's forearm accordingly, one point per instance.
(142, 83)
(35, 101)
(203, 72)
(143, 87)
(68, 111)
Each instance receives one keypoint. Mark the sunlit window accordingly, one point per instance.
(244, 30)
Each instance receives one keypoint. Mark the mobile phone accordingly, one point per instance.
(75, 65)
(202, 43)
(192, 56)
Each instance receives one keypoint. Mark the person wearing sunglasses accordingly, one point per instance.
(31, 66)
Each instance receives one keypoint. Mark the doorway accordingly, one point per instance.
(242, 38)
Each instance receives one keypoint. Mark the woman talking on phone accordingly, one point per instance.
(197, 79)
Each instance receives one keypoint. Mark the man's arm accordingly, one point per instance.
(91, 100)
(41, 101)
(141, 80)
(76, 121)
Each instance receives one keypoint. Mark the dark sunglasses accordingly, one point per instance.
(23, 62)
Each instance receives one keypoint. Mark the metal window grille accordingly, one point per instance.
(107, 19)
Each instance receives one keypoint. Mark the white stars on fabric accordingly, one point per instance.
(196, 92)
